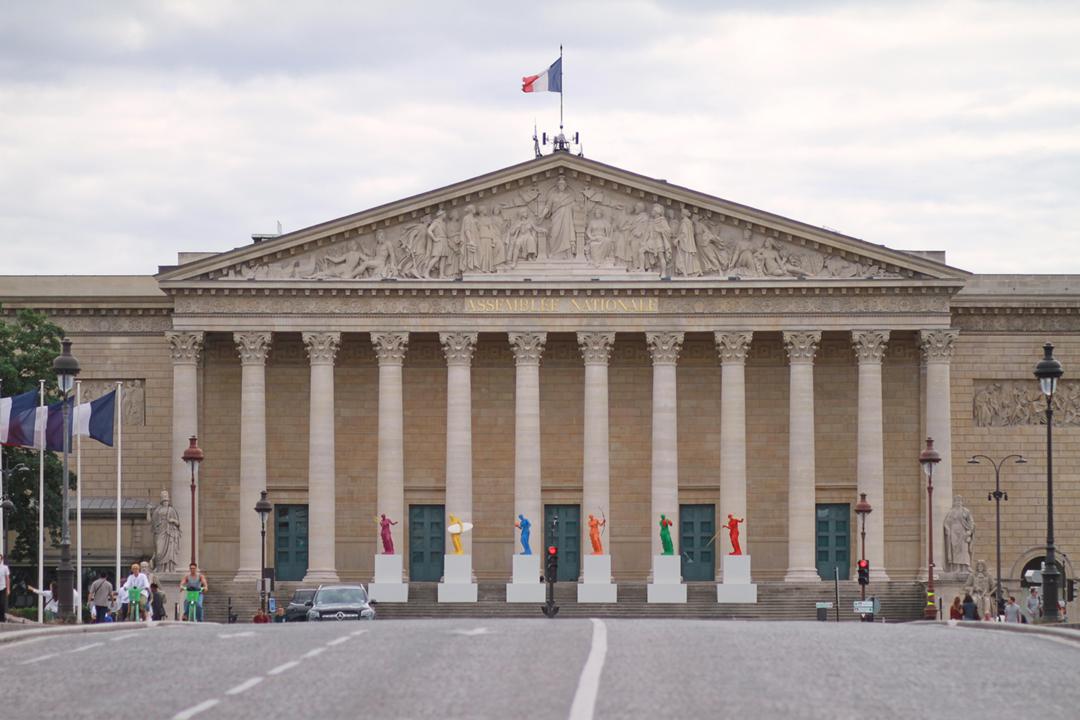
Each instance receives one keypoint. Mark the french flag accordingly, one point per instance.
(39, 426)
(10, 407)
(548, 81)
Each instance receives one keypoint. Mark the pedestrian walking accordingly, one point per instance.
(157, 602)
(956, 610)
(5, 589)
(1034, 605)
(971, 610)
(1012, 611)
(98, 596)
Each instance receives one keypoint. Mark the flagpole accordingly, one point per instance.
(119, 468)
(3, 528)
(41, 511)
(78, 503)
(562, 86)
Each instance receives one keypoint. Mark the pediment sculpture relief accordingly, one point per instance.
(556, 223)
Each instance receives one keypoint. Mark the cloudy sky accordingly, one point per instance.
(131, 130)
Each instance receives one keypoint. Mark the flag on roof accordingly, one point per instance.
(548, 81)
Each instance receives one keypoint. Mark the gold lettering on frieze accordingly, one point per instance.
(556, 305)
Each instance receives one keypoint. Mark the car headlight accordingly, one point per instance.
(368, 614)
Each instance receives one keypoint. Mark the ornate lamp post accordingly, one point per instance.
(997, 496)
(928, 458)
(862, 509)
(264, 508)
(193, 455)
(1048, 371)
(66, 367)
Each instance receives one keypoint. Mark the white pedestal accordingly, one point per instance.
(457, 584)
(666, 586)
(736, 587)
(526, 586)
(597, 586)
(387, 585)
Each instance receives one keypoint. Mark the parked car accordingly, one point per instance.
(297, 609)
(340, 602)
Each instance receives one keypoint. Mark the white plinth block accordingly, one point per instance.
(597, 586)
(526, 585)
(387, 586)
(736, 587)
(457, 584)
(666, 586)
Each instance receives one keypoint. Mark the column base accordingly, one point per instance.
(526, 586)
(877, 576)
(597, 586)
(802, 575)
(667, 586)
(387, 585)
(736, 587)
(321, 576)
(247, 575)
(457, 585)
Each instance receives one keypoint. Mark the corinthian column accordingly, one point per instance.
(322, 533)
(937, 347)
(595, 495)
(733, 348)
(665, 347)
(390, 348)
(528, 347)
(185, 348)
(459, 347)
(253, 348)
(801, 348)
(870, 349)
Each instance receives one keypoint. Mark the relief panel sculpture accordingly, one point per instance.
(1009, 403)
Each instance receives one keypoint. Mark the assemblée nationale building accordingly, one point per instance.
(564, 336)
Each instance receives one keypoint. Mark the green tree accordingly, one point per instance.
(28, 344)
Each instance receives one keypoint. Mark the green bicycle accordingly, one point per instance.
(191, 604)
(134, 603)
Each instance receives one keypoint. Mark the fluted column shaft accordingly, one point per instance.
(253, 348)
(664, 347)
(390, 348)
(528, 348)
(870, 464)
(596, 484)
(322, 532)
(185, 348)
(733, 348)
(801, 348)
(458, 348)
(937, 347)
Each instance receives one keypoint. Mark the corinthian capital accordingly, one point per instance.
(596, 346)
(322, 347)
(664, 346)
(802, 345)
(733, 347)
(185, 346)
(458, 347)
(253, 347)
(937, 345)
(869, 344)
(528, 347)
(390, 347)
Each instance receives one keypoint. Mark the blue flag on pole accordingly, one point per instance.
(11, 407)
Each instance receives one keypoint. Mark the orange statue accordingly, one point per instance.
(594, 534)
(733, 533)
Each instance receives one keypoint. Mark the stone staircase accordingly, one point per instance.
(900, 602)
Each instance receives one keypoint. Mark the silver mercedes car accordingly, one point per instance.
(340, 602)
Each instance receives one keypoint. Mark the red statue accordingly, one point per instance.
(733, 532)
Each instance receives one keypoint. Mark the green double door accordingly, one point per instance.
(427, 542)
(833, 544)
(567, 538)
(290, 542)
(697, 544)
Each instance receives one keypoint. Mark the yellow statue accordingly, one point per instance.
(455, 528)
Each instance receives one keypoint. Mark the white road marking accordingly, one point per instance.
(316, 651)
(86, 647)
(476, 631)
(196, 709)
(340, 640)
(589, 684)
(249, 633)
(123, 636)
(282, 668)
(244, 686)
(357, 632)
(38, 659)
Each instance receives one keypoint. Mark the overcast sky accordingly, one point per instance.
(130, 130)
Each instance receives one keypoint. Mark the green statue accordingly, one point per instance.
(665, 535)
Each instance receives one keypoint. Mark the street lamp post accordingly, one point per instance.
(997, 496)
(928, 458)
(193, 455)
(862, 509)
(1048, 371)
(66, 367)
(263, 507)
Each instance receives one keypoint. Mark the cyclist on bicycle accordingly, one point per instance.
(195, 581)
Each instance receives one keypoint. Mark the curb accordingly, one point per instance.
(13, 636)
(1066, 634)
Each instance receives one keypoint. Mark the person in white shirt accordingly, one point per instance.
(52, 602)
(135, 580)
(5, 589)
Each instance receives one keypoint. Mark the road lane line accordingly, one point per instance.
(584, 704)
(249, 633)
(38, 659)
(86, 647)
(357, 632)
(244, 686)
(340, 640)
(312, 653)
(123, 636)
(283, 667)
(196, 709)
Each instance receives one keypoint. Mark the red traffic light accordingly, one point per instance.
(864, 564)
(552, 550)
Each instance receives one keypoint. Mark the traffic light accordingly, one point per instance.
(551, 564)
(864, 572)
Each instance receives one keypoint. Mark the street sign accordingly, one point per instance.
(864, 607)
(823, 605)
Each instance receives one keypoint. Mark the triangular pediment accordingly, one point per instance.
(560, 218)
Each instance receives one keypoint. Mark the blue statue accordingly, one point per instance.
(524, 525)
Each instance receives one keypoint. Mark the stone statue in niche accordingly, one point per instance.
(165, 524)
(959, 529)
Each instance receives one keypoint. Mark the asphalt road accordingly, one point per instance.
(543, 669)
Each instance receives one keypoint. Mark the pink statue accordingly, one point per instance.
(387, 535)
(733, 532)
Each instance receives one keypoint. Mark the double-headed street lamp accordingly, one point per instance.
(928, 458)
(997, 496)
(66, 367)
(1048, 371)
(264, 508)
(193, 455)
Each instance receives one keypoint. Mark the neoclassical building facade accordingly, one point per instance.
(562, 336)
